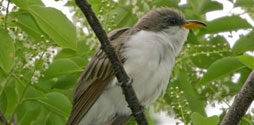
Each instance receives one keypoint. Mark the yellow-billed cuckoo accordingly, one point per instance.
(147, 51)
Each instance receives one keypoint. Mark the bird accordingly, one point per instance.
(147, 51)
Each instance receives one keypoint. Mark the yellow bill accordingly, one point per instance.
(191, 24)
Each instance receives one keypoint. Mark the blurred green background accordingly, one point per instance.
(42, 54)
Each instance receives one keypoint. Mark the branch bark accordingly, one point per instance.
(121, 75)
(2, 118)
(241, 103)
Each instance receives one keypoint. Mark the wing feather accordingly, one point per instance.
(96, 77)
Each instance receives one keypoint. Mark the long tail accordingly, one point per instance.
(120, 120)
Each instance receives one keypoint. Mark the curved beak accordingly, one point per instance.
(191, 24)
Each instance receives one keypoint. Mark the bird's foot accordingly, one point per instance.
(129, 82)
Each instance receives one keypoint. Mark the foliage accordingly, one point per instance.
(42, 54)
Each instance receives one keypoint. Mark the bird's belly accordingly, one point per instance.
(150, 78)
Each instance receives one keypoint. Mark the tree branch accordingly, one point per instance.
(241, 103)
(121, 75)
(2, 118)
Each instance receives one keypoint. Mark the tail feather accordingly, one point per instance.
(120, 120)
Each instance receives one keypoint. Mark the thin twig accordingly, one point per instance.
(121, 75)
(2, 118)
(241, 103)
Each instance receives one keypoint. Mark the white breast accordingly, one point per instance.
(150, 59)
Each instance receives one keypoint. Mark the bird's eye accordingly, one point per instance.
(172, 21)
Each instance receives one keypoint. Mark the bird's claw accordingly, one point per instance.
(129, 82)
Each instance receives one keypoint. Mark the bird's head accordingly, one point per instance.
(165, 19)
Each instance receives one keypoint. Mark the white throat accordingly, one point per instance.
(165, 44)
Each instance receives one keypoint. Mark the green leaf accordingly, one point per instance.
(132, 121)
(2, 74)
(149, 117)
(168, 3)
(27, 23)
(12, 98)
(46, 85)
(3, 102)
(196, 105)
(96, 4)
(65, 53)
(209, 52)
(62, 67)
(198, 119)
(247, 119)
(221, 68)
(54, 119)
(70, 3)
(194, 4)
(24, 4)
(19, 87)
(124, 17)
(32, 93)
(56, 25)
(57, 103)
(246, 3)
(121, 16)
(244, 44)
(7, 51)
(80, 61)
(234, 88)
(208, 5)
(247, 60)
(42, 116)
(244, 74)
(225, 24)
(66, 82)
(84, 49)
(192, 38)
(28, 112)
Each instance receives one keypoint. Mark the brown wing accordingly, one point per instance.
(96, 76)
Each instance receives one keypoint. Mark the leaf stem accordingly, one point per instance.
(20, 101)
(197, 54)
(4, 84)
(23, 84)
